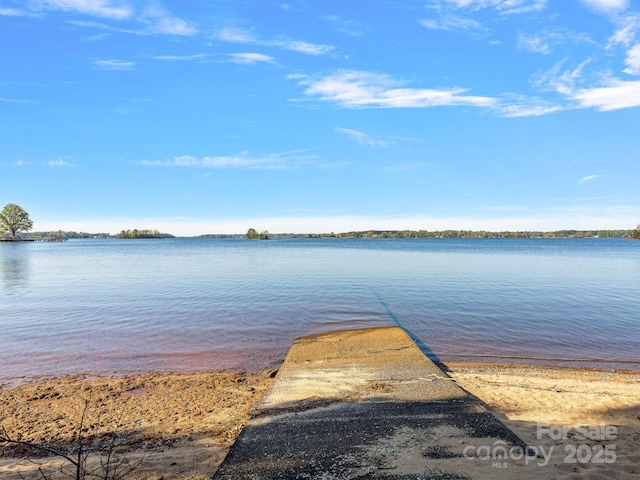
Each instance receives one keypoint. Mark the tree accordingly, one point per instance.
(113, 464)
(252, 234)
(14, 219)
(636, 233)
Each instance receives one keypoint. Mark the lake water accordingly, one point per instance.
(189, 304)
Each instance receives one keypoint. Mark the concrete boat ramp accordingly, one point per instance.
(368, 404)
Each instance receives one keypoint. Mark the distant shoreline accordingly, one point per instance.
(447, 234)
(619, 233)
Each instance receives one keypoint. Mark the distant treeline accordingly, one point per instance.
(370, 234)
(71, 234)
(449, 234)
(483, 234)
(135, 233)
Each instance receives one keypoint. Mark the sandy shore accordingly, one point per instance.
(180, 426)
(587, 419)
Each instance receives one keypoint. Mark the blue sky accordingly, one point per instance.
(197, 116)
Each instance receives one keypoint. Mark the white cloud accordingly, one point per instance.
(451, 22)
(607, 5)
(59, 164)
(534, 43)
(173, 26)
(301, 47)
(544, 40)
(562, 82)
(14, 100)
(99, 8)
(114, 64)
(528, 109)
(600, 90)
(245, 58)
(160, 21)
(250, 58)
(446, 18)
(342, 25)
(616, 95)
(589, 178)
(98, 37)
(271, 161)
(633, 60)
(628, 26)
(235, 35)
(502, 6)
(197, 56)
(12, 12)
(362, 138)
(240, 35)
(361, 89)
(92, 24)
(155, 19)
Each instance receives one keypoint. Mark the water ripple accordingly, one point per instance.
(141, 305)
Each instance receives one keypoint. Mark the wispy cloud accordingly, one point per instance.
(13, 12)
(99, 8)
(98, 37)
(528, 108)
(301, 47)
(628, 26)
(608, 6)
(14, 100)
(563, 82)
(590, 178)
(152, 19)
(534, 43)
(235, 35)
(616, 95)
(452, 22)
(250, 58)
(362, 138)
(599, 90)
(247, 58)
(158, 20)
(270, 161)
(16, 163)
(59, 164)
(182, 58)
(343, 25)
(114, 64)
(362, 89)
(633, 60)
(240, 35)
(110, 28)
(502, 6)
(545, 40)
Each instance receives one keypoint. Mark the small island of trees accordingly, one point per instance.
(252, 234)
(135, 233)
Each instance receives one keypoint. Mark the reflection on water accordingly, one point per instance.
(14, 268)
(177, 304)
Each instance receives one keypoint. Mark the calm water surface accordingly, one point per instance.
(185, 304)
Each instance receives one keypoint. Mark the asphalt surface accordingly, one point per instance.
(368, 404)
